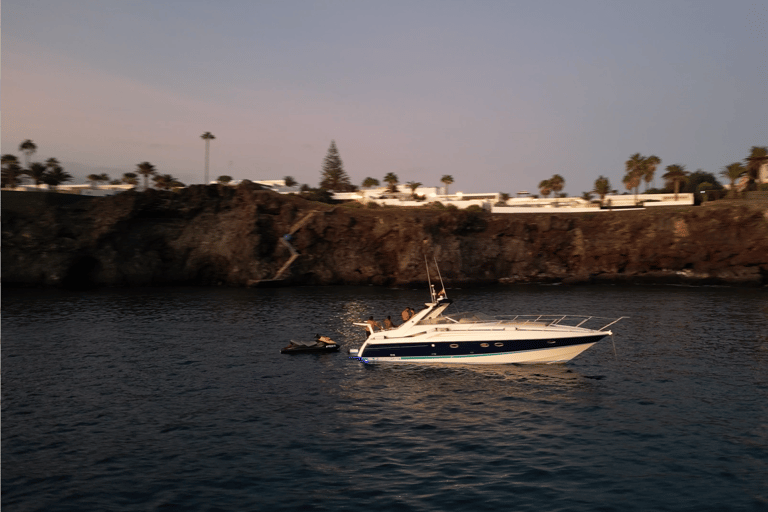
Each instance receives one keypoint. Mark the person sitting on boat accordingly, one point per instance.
(388, 323)
(324, 339)
(373, 324)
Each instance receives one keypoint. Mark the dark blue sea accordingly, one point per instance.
(179, 399)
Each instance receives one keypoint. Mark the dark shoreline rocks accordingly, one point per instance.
(218, 235)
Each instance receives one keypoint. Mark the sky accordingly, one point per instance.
(497, 94)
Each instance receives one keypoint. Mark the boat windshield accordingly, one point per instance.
(459, 318)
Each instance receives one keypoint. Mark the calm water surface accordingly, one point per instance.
(160, 399)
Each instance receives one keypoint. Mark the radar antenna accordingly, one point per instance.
(442, 292)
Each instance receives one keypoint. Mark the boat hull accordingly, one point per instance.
(529, 351)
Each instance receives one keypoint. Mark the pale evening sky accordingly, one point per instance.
(498, 94)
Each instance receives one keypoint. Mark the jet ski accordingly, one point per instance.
(320, 344)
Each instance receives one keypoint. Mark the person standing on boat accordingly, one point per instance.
(407, 313)
(388, 323)
(373, 323)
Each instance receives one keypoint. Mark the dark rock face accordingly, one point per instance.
(211, 235)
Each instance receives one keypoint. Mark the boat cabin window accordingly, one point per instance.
(459, 318)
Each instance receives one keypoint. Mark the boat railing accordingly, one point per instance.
(595, 323)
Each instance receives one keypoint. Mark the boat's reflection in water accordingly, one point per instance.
(450, 388)
(460, 408)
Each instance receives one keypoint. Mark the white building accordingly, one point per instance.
(81, 190)
(526, 204)
(276, 185)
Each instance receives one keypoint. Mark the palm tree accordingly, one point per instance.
(28, 148)
(556, 183)
(545, 188)
(166, 182)
(290, 182)
(36, 171)
(413, 186)
(146, 169)
(635, 162)
(12, 171)
(675, 175)
(52, 163)
(651, 163)
(758, 156)
(9, 159)
(632, 180)
(224, 179)
(602, 187)
(370, 182)
(392, 179)
(447, 179)
(162, 181)
(56, 176)
(733, 172)
(130, 178)
(95, 179)
(503, 197)
(636, 168)
(208, 137)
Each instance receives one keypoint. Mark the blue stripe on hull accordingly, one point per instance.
(468, 348)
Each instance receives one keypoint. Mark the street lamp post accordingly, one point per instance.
(207, 136)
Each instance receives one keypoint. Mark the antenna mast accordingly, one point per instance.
(429, 280)
(445, 295)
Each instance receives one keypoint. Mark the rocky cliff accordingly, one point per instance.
(210, 235)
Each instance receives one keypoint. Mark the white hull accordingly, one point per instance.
(542, 356)
(430, 337)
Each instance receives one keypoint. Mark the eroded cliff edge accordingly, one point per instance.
(210, 235)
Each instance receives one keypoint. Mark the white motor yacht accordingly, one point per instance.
(433, 336)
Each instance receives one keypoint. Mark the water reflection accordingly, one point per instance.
(191, 382)
(424, 387)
